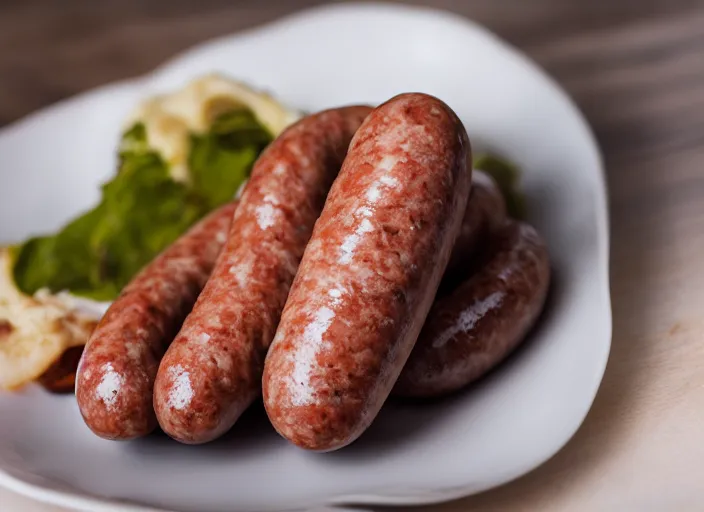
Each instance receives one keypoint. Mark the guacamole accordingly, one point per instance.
(143, 209)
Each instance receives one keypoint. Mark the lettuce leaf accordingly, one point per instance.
(142, 211)
(221, 160)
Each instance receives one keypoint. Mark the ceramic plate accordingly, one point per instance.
(52, 162)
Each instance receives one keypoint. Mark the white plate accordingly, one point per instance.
(52, 162)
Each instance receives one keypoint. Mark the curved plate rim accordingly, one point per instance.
(79, 501)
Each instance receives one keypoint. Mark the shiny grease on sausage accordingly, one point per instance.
(212, 371)
(485, 213)
(471, 330)
(369, 273)
(116, 373)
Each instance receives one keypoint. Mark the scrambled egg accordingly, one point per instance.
(169, 119)
(35, 331)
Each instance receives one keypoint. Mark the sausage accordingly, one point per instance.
(212, 371)
(115, 375)
(470, 331)
(60, 377)
(369, 273)
(485, 213)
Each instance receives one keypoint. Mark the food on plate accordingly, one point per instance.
(182, 155)
(61, 375)
(369, 274)
(486, 212)
(318, 283)
(35, 330)
(471, 330)
(210, 132)
(212, 371)
(115, 376)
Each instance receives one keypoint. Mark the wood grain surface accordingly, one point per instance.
(636, 68)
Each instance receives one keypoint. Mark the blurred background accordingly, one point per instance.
(602, 51)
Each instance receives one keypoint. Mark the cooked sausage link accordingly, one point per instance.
(369, 273)
(212, 371)
(471, 330)
(115, 376)
(485, 213)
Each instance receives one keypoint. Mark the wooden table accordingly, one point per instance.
(636, 68)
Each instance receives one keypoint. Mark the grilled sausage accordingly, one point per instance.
(212, 370)
(485, 213)
(115, 375)
(369, 273)
(471, 330)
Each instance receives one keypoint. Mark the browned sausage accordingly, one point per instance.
(474, 328)
(115, 376)
(212, 371)
(60, 377)
(369, 273)
(485, 213)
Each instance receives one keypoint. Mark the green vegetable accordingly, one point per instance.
(507, 176)
(220, 161)
(142, 211)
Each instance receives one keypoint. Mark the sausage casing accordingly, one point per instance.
(369, 273)
(116, 373)
(485, 213)
(471, 330)
(212, 370)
